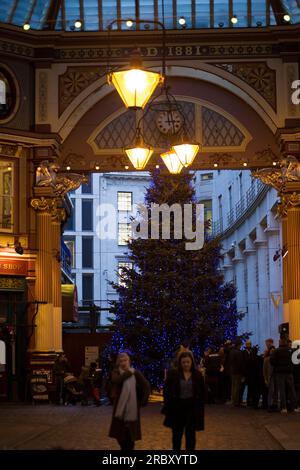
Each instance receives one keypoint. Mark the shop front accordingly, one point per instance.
(14, 330)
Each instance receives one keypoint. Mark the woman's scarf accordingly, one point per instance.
(127, 409)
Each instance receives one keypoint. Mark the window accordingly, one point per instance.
(220, 206)
(207, 212)
(241, 185)
(87, 288)
(70, 225)
(7, 94)
(124, 233)
(87, 214)
(122, 265)
(87, 252)
(207, 176)
(6, 196)
(230, 198)
(88, 187)
(124, 201)
(70, 243)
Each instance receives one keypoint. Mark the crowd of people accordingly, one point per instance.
(270, 380)
(234, 375)
(72, 389)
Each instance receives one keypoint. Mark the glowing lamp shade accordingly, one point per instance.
(135, 86)
(186, 153)
(139, 156)
(172, 162)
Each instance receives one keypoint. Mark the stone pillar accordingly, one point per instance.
(44, 335)
(293, 246)
(241, 302)
(57, 218)
(263, 321)
(275, 280)
(252, 291)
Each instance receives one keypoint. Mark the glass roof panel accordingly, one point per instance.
(97, 14)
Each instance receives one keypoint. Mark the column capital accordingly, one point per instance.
(58, 215)
(288, 201)
(43, 204)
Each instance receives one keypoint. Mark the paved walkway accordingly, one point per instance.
(75, 427)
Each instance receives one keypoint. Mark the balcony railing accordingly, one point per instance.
(240, 208)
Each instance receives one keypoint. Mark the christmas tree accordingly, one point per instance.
(171, 294)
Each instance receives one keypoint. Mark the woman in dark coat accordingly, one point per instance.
(130, 391)
(184, 397)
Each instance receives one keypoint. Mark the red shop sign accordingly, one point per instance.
(13, 267)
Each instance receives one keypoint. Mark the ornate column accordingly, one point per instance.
(58, 216)
(292, 203)
(44, 335)
(285, 268)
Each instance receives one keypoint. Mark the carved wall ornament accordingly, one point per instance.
(47, 175)
(288, 201)
(59, 215)
(289, 171)
(256, 74)
(74, 80)
(43, 204)
(43, 96)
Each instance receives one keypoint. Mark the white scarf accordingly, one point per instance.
(127, 409)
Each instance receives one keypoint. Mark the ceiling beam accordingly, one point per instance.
(52, 13)
(279, 11)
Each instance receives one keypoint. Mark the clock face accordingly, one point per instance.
(169, 122)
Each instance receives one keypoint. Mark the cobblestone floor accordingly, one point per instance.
(74, 427)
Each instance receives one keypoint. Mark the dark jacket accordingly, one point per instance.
(118, 427)
(281, 360)
(172, 398)
(236, 362)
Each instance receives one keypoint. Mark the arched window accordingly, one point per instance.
(7, 94)
(2, 92)
(2, 353)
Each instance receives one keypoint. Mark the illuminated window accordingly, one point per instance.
(207, 176)
(124, 201)
(121, 274)
(124, 233)
(70, 242)
(6, 196)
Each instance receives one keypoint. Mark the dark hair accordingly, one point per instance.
(184, 355)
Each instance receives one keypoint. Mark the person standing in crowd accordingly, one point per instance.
(212, 365)
(281, 360)
(248, 356)
(60, 368)
(269, 343)
(130, 391)
(270, 380)
(237, 368)
(227, 372)
(184, 402)
(259, 387)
